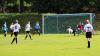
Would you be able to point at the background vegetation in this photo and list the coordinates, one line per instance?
(23, 19)
(49, 6)
(31, 9)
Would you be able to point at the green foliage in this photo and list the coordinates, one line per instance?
(23, 19)
(52, 6)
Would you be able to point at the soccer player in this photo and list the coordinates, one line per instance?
(36, 28)
(11, 28)
(70, 31)
(88, 29)
(16, 31)
(80, 28)
(74, 31)
(5, 29)
(27, 29)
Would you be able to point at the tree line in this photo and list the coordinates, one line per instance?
(49, 6)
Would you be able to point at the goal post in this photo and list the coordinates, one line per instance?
(58, 23)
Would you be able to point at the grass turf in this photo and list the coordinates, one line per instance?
(50, 45)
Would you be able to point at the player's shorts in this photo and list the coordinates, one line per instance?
(4, 31)
(16, 33)
(27, 31)
(11, 31)
(88, 34)
(36, 30)
(74, 31)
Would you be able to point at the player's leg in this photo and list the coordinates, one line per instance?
(88, 42)
(74, 33)
(29, 35)
(4, 33)
(26, 35)
(82, 32)
(11, 33)
(14, 38)
(88, 35)
(78, 32)
(38, 32)
(34, 32)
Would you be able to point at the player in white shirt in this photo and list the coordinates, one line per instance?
(16, 31)
(70, 31)
(88, 29)
(27, 29)
(11, 28)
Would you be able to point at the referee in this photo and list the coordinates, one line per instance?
(88, 29)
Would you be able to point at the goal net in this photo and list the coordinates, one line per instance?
(58, 23)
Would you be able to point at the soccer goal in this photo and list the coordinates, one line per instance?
(58, 23)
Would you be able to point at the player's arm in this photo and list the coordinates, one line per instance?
(19, 27)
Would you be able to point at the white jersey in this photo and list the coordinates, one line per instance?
(88, 28)
(11, 27)
(27, 27)
(69, 30)
(16, 27)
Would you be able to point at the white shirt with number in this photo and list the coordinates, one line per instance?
(27, 27)
(88, 28)
(16, 27)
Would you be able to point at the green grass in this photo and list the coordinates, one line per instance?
(50, 45)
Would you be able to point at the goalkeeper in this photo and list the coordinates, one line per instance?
(36, 28)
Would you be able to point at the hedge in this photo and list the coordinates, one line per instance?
(23, 19)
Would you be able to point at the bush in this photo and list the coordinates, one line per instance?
(23, 19)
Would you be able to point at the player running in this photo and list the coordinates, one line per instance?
(88, 29)
(11, 28)
(70, 30)
(5, 29)
(80, 28)
(36, 28)
(27, 29)
(16, 31)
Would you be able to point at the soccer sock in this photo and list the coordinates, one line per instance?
(5, 35)
(88, 44)
(33, 33)
(39, 33)
(11, 34)
(25, 37)
(16, 40)
(30, 37)
(13, 40)
(74, 33)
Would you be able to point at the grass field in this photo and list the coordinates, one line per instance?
(50, 45)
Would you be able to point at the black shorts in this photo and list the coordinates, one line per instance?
(36, 30)
(88, 34)
(11, 31)
(16, 33)
(27, 31)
